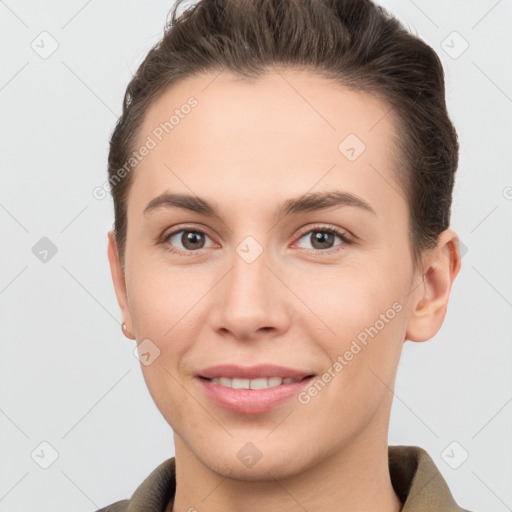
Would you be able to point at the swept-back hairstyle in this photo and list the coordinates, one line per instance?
(353, 42)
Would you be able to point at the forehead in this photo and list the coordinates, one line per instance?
(216, 134)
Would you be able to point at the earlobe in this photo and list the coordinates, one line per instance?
(119, 282)
(429, 310)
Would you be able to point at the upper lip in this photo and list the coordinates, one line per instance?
(253, 372)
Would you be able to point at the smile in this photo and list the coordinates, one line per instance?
(259, 383)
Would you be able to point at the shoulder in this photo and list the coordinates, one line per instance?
(154, 493)
(418, 482)
(118, 506)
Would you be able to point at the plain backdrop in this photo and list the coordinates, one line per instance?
(72, 396)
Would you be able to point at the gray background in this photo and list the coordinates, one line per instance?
(68, 377)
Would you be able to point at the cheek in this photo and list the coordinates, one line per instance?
(361, 321)
(161, 298)
(346, 301)
(162, 310)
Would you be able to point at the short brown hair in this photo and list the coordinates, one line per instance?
(353, 42)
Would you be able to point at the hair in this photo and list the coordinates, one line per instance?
(355, 43)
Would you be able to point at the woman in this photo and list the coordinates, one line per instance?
(282, 176)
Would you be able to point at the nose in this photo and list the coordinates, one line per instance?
(251, 300)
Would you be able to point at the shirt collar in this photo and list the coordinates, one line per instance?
(417, 481)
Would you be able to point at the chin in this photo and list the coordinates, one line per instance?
(268, 464)
(260, 472)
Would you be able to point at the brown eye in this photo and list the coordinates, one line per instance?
(324, 239)
(186, 240)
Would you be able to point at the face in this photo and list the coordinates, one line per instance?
(256, 269)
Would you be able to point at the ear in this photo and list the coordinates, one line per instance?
(118, 279)
(431, 300)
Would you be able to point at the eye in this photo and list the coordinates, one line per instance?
(186, 240)
(322, 238)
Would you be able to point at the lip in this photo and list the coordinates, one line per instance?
(252, 401)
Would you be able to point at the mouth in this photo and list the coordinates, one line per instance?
(251, 390)
(257, 383)
(232, 371)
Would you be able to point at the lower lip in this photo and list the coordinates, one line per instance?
(251, 401)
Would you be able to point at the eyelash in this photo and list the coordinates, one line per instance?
(330, 229)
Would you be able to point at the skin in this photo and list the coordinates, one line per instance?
(247, 147)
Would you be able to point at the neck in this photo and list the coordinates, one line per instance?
(355, 478)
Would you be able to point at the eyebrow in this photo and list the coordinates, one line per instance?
(306, 203)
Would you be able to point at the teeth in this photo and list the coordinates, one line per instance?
(240, 384)
(259, 383)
